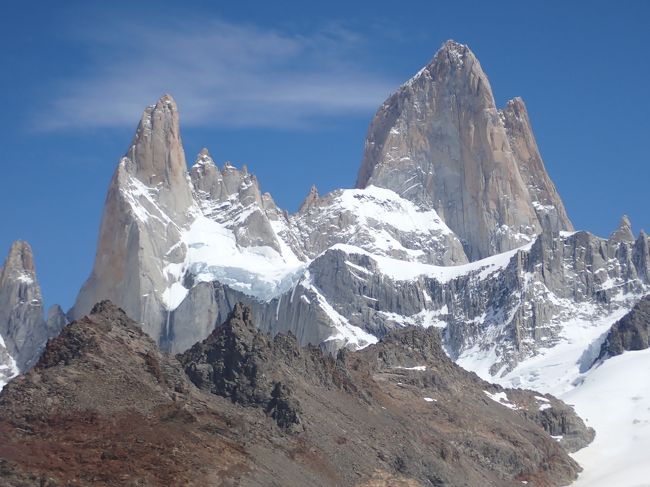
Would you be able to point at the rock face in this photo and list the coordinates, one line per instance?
(441, 142)
(103, 405)
(148, 204)
(545, 199)
(631, 332)
(166, 232)
(623, 234)
(497, 311)
(23, 331)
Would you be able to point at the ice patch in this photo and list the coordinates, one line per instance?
(214, 255)
(501, 398)
(417, 367)
(401, 270)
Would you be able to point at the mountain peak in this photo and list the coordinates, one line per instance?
(309, 199)
(167, 100)
(203, 158)
(454, 52)
(452, 57)
(20, 257)
(156, 152)
(624, 231)
(440, 142)
(23, 331)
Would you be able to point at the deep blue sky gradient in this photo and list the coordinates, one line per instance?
(581, 67)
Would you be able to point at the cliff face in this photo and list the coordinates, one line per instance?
(544, 197)
(441, 142)
(149, 203)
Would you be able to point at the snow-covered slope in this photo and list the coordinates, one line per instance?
(379, 221)
(179, 248)
(8, 367)
(614, 399)
(214, 255)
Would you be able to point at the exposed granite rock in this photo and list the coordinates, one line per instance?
(333, 290)
(440, 142)
(521, 300)
(56, 319)
(233, 198)
(149, 201)
(624, 231)
(544, 197)
(22, 327)
(156, 157)
(311, 198)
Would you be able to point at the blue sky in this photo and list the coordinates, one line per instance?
(289, 88)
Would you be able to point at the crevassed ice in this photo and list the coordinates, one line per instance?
(213, 255)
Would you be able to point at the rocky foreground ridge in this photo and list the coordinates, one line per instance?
(104, 406)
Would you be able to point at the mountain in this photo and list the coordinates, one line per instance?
(104, 406)
(440, 141)
(178, 248)
(454, 227)
(157, 252)
(148, 205)
(23, 330)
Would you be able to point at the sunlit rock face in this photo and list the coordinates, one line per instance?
(440, 141)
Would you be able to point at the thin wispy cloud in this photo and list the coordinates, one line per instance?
(221, 74)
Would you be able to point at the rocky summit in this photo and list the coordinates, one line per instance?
(440, 141)
(103, 406)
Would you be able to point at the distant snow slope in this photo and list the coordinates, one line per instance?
(614, 399)
(400, 270)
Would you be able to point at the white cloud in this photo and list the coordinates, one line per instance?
(221, 74)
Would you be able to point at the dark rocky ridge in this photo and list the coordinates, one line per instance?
(632, 332)
(104, 406)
